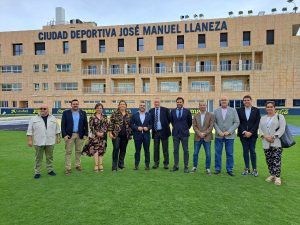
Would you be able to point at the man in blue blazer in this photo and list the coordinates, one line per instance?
(181, 120)
(74, 129)
(249, 121)
(141, 124)
(160, 132)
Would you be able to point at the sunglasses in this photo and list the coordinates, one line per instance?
(43, 108)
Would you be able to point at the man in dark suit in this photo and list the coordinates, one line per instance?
(141, 125)
(74, 129)
(247, 131)
(160, 132)
(181, 120)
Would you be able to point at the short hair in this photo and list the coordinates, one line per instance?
(180, 98)
(98, 104)
(142, 101)
(247, 96)
(270, 102)
(123, 102)
(74, 100)
(202, 101)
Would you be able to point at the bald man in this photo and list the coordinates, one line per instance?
(226, 122)
(43, 132)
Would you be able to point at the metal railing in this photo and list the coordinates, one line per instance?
(202, 89)
(123, 90)
(235, 88)
(90, 90)
(169, 90)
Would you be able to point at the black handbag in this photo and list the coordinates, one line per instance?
(286, 139)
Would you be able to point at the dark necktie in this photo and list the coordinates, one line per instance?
(156, 119)
(179, 114)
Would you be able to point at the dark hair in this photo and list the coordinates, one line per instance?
(98, 104)
(247, 96)
(74, 100)
(123, 102)
(270, 102)
(180, 98)
(142, 101)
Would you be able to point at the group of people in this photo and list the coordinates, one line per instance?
(90, 136)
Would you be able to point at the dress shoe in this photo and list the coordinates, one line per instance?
(217, 172)
(147, 168)
(186, 170)
(37, 176)
(52, 173)
(174, 169)
(166, 167)
(78, 168)
(68, 172)
(230, 173)
(136, 168)
(155, 167)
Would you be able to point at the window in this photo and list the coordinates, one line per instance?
(170, 86)
(11, 87)
(225, 65)
(36, 68)
(200, 86)
(45, 86)
(17, 49)
(235, 103)
(247, 64)
(160, 43)
(39, 48)
(66, 86)
(65, 47)
(180, 41)
(57, 104)
(45, 67)
(101, 45)
(223, 40)
(160, 68)
(233, 85)
(11, 69)
(3, 104)
(270, 37)
(180, 67)
(121, 45)
(36, 86)
(246, 38)
(115, 69)
(132, 69)
(83, 46)
(201, 41)
(296, 102)
(63, 67)
(140, 44)
(14, 104)
(93, 101)
(278, 102)
(92, 69)
(38, 102)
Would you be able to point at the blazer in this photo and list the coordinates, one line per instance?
(208, 125)
(40, 135)
(136, 122)
(164, 120)
(182, 125)
(274, 125)
(230, 123)
(250, 125)
(67, 124)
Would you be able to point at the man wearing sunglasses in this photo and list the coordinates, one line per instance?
(43, 132)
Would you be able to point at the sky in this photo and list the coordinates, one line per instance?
(33, 14)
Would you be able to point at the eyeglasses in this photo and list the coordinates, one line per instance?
(43, 108)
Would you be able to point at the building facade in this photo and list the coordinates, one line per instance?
(195, 59)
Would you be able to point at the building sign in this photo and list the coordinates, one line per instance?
(134, 31)
(89, 111)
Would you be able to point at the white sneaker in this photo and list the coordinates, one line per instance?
(270, 178)
(208, 172)
(277, 181)
(194, 170)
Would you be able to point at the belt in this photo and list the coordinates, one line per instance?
(75, 132)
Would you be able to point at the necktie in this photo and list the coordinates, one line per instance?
(156, 119)
(179, 114)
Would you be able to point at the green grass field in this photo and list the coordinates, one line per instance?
(143, 197)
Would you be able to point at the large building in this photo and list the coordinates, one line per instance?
(196, 59)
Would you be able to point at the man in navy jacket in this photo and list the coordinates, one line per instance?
(74, 129)
(181, 120)
(141, 125)
(160, 132)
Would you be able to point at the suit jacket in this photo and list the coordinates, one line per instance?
(230, 123)
(208, 125)
(182, 125)
(164, 120)
(67, 124)
(272, 131)
(250, 125)
(136, 122)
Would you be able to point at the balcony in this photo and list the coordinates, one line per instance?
(93, 72)
(236, 88)
(208, 88)
(92, 90)
(169, 90)
(123, 90)
(240, 67)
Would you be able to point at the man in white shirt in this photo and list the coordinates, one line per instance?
(43, 132)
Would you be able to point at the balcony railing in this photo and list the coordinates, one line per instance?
(90, 90)
(240, 67)
(169, 89)
(235, 88)
(123, 90)
(202, 89)
(93, 72)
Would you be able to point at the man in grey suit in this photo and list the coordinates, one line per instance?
(226, 122)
